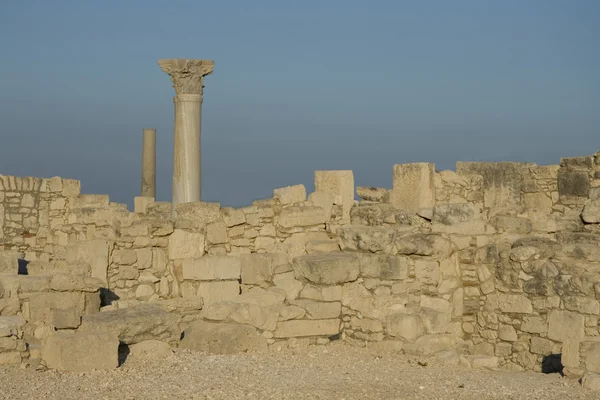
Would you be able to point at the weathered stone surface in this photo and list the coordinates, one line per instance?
(514, 303)
(81, 352)
(428, 345)
(212, 268)
(318, 309)
(413, 186)
(327, 268)
(9, 306)
(204, 212)
(566, 325)
(383, 266)
(375, 214)
(425, 244)
(222, 338)
(75, 283)
(65, 319)
(323, 200)
(216, 232)
(9, 262)
(374, 194)
(258, 268)
(218, 291)
(591, 381)
(367, 238)
(95, 253)
(42, 304)
(290, 194)
(135, 324)
(573, 184)
(300, 328)
(592, 359)
(458, 218)
(591, 211)
(289, 284)
(233, 217)
(405, 326)
(584, 305)
(11, 325)
(184, 244)
(507, 333)
(150, 350)
(340, 184)
(297, 216)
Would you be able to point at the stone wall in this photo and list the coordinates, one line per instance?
(497, 261)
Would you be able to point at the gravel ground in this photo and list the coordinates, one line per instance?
(322, 372)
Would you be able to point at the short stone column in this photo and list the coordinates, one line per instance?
(149, 163)
(188, 81)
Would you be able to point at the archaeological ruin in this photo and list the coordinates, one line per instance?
(496, 265)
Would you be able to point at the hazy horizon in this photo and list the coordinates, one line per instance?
(297, 87)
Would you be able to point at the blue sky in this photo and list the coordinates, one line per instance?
(297, 86)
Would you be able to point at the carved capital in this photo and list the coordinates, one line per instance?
(187, 75)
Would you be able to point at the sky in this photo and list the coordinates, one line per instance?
(298, 86)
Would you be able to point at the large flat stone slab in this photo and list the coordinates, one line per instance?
(135, 324)
(220, 338)
(80, 352)
(327, 268)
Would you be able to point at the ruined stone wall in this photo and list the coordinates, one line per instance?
(497, 260)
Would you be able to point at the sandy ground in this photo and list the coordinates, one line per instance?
(321, 372)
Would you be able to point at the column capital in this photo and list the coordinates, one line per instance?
(187, 75)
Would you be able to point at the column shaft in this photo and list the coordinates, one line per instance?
(149, 163)
(186, 155)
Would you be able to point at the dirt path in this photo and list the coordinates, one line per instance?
(333, 372)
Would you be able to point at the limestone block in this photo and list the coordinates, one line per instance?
(413, 186)
(184, 244)
(322, 246)
(591, 381)
(289, 284)
(374, 194)
(200, 211)
(592, 359)
(543, 346)
(9, 262)
(514, 303)
(539, 201)
(405, 326)
(233, 217)
(258, 268)
(534, 325)
(124, 257)
(327, 268)
(318, 309)
(81, 352)
(367, 238)
(12, 306)
(340, 184)
(216, 232)
(427, 271)
(135, 324)
(428, 345)
(11, 325)
(423, 244)
(383, 266)
(502, 181)
(94, 253)
(42, 304)
(141, 203)
(511, 224)
(65, 318)
(45, 268)
(377, 214)
(89, 201)
(591, 212)
(218, 291)
(573, 184)
(323, 200)
(584, 305)
(321, 293)
(566, 325)
(212, 268)
(507, 333)
(300, 328)
(458, 218)
(290, 194)
(482, 361)
(298, 216)
(150, 350)
(70, 187)
(220, 338)
(144, 292)
(435, 320)
(10, 358)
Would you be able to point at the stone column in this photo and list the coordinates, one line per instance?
(149, 163)
(188, 81)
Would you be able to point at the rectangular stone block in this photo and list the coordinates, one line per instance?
(42, 304)
(201, 211)
(81, 352)
(184, 244)
(573, 184)
(65, 318)
(340, 184)
(141, 203)
(213, 292)
(290, 194)
(299, 216)
(258, 268)
(566, 326)
(413, 186)
(95, 253)
(89, 201)
(300, 328)
(212, 268)
(9, 262)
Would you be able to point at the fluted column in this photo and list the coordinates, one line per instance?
(188, 81)
(149, 163)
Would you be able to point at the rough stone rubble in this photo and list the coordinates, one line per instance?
(496, 265)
